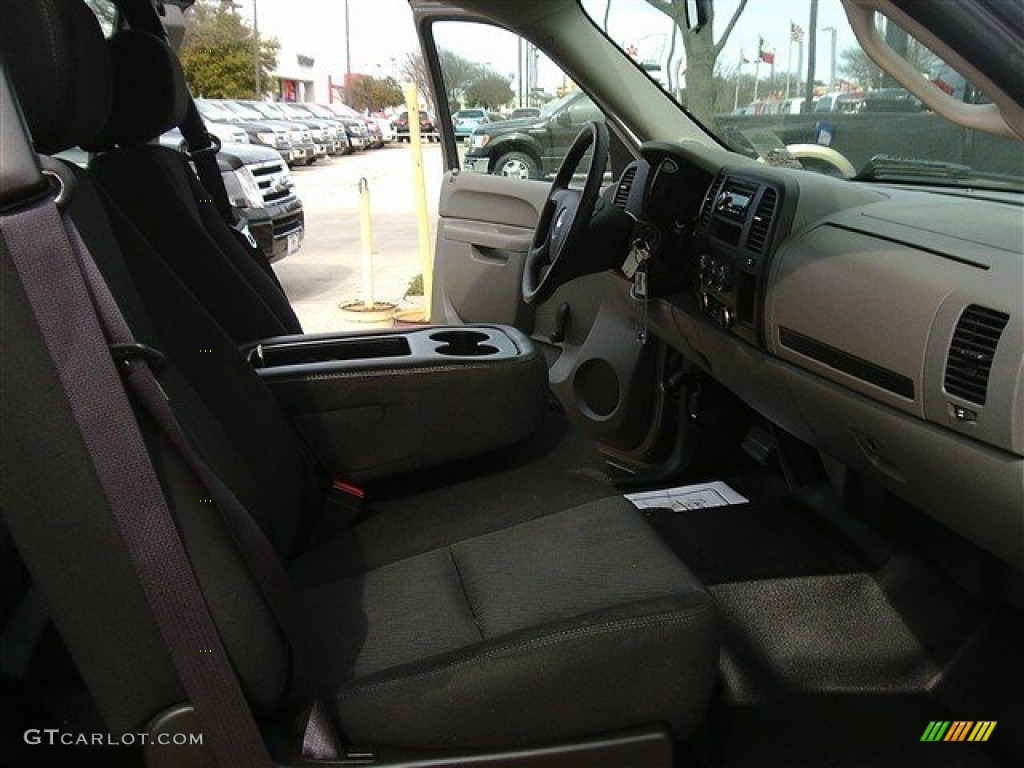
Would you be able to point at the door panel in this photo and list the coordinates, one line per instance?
(485, 227)
(605, 378)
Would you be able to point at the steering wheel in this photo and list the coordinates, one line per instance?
(558, 242)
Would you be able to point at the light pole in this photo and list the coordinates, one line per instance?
(832, 63)
(256, 51)
(348, 60)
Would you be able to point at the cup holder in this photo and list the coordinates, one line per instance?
(463, 343)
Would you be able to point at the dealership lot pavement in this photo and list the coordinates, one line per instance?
(326, 270)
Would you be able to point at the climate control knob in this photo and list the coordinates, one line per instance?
(722, 277)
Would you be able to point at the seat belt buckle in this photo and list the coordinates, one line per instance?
(345, 497)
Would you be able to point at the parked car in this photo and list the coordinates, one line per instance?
(465, 121)
(520, 112)
(327, 135)
(891, 100)
(839, 101)
(269, 133)
(428, 126)
(300, 134)
(261, 191)
(374, 136)
(530, 147)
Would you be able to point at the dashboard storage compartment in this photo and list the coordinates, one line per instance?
(376, 404)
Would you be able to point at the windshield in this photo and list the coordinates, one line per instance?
(316, 109)
(553, 106)
(293, 112)
(246, 112)
(266, 110)
(789, 80)
(215, 112)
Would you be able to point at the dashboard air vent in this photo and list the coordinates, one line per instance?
(758, 236)
(625, 185)
(709, 200)
(971, 352)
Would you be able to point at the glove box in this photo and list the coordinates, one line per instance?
(381, 403)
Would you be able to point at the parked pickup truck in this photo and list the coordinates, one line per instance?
(260, 187)
(531, 147)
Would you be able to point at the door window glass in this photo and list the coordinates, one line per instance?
(533, 110)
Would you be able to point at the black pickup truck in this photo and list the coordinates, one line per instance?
(531, 147)
(260, 187)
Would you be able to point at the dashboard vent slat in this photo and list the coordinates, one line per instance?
(969, 361)
(625, 186)
(708, 205)
(757, 238)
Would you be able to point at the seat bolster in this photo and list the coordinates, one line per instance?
(604, 671)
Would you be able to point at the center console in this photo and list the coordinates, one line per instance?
(374, 404)
(738, 219)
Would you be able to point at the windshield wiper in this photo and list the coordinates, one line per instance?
(891, 166)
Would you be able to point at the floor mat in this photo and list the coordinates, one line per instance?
(772, 539)
(847, 670)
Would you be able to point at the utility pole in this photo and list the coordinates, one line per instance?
(832, 63)
(812, 52)
(256, 51)
(348, 61)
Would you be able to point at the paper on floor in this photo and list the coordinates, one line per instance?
(716, 494)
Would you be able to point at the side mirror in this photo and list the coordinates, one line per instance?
(562, 118)
(697, 13)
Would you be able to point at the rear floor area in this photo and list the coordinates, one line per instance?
(838, 648)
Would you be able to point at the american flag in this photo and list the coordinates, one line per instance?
(796, 33)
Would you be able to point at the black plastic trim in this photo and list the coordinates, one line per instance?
(855, 366)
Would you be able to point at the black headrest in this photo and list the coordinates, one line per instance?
(57, 61)
(150, 93)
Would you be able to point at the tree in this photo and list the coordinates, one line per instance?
(489, 90)
(701, 52)
(859, 68)
(414, 69)
(217, 54)
(374, 93)
(457, 73)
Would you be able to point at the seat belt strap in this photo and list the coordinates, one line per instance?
(137, 368)
(46, 263)
(202, 152)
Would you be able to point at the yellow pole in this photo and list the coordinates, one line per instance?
(366, 242)
(419, 186)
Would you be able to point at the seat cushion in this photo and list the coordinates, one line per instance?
(556, 468)
(575, 623)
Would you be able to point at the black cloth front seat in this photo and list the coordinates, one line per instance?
(574, 623)
(157, 188)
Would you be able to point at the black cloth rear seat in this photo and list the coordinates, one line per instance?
(475, 632)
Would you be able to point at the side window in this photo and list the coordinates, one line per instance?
(582, 110)
(529, 111)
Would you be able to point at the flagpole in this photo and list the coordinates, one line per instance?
(757, 76)
(789, 59)
(739, 74)
(799, 66)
